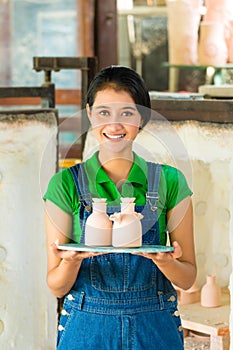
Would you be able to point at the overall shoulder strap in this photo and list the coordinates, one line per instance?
(81, 183)
(154, 173)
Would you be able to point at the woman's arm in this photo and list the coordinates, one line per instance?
(63, 266)
(179, 266)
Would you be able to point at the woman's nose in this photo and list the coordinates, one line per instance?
(114, 125)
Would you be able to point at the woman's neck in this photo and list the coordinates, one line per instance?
(117, 167)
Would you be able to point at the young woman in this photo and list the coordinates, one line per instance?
(119, 301)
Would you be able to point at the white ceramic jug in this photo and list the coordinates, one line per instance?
(183, 24)
(212, 49)
(98, 229)
(217, 10)
(229, 40)
(211, 292)
(127, 228)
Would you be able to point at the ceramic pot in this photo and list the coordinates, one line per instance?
(127, 228)
(210, 292)
(229, 40)
(189, 296)
(183, 24)
(216, 10)
(98, 229)
(212, 48)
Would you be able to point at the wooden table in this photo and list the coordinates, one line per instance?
(212, 321)
(213, 74)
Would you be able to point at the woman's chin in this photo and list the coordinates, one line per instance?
(118, 146)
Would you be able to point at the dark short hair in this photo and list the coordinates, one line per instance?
(122, 78)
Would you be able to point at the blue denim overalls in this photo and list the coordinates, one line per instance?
(121, 301)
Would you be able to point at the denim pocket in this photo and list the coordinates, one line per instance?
(122, 273)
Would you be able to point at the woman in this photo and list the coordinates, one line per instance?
(119, 301)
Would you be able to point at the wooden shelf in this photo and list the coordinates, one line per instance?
(144, 11)
(212, 321)
(216, 76)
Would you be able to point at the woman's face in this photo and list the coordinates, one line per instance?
(115, 119)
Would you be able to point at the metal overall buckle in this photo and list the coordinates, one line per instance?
(86, 202)
(152, 199)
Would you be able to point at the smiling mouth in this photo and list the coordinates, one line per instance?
(114, 137)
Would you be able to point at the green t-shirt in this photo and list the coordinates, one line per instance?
(173, 188)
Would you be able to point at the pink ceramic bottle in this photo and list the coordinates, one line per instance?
(229, 41)
(183, 24)
(210, 292)
(190, 295)
(212, 48)
(98, 230)
(127, 228)
(216, 10)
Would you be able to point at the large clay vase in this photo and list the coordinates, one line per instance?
(212, 48)
(229, 40)
(127, 228)
(211, 292)
(221, 11)
(183, 23)
(190, 296)
(216, 10)
(98, 229)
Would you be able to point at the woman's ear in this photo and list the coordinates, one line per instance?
(141, 124)
(88, 109)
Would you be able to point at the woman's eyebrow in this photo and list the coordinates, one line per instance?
(132, 107)
(100, 107)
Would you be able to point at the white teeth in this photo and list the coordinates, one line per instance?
(114, 136)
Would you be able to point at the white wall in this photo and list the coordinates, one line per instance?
(27, 309)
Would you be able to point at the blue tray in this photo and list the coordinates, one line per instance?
(110, 249)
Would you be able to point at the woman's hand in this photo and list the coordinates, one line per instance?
(70, 255)
(63, 274)
(164, 258)
(63, 265)
(179, 266)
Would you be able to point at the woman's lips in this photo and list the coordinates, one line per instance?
(114, 137)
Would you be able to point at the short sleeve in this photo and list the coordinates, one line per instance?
(175, 186)
(62, 192)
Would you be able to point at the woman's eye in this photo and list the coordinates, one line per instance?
(104, 113)
(127, 114)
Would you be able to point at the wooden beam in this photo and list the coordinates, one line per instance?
(106, 33)
(20, 95)
(5, 42)
(85, 27)
(213, 111)
(70, 124)
(62, 97)
(68, 97)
